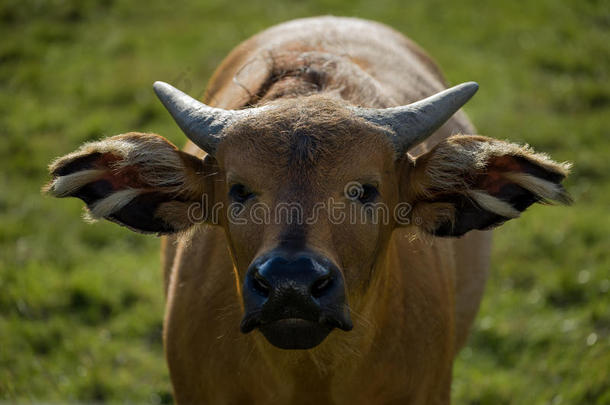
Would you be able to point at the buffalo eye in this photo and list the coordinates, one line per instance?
(369, 194)
(364, 193)
(240, 193)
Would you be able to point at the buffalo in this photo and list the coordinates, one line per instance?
(326, 229)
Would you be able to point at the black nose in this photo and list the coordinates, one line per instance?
(298, 280)
(294, 292)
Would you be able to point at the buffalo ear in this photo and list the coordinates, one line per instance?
(138, 180)
(474, 182)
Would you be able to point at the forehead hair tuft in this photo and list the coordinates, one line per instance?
(303, 130)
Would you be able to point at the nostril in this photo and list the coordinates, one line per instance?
(260, 284)
(321, 286)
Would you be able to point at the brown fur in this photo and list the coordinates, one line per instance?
(412, 298)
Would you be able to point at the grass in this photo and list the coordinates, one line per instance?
(81, 305)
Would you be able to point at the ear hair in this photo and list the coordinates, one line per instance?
(113, 203)
(543, 188)
(138, 180)
(493, 204)
(152, 154)
(474, 182)
(453, 163)
(63, 186)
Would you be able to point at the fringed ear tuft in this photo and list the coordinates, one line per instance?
(134, 179)
(485, 181)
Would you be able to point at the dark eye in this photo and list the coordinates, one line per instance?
(239, 193)
(369, 194)
(364, 193)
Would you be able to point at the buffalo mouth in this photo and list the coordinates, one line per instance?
(295, 333)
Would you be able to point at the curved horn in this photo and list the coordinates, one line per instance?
(201, 123)
(414, 122)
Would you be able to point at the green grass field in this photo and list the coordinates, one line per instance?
(81, 306)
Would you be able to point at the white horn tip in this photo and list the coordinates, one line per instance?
(162, 88)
